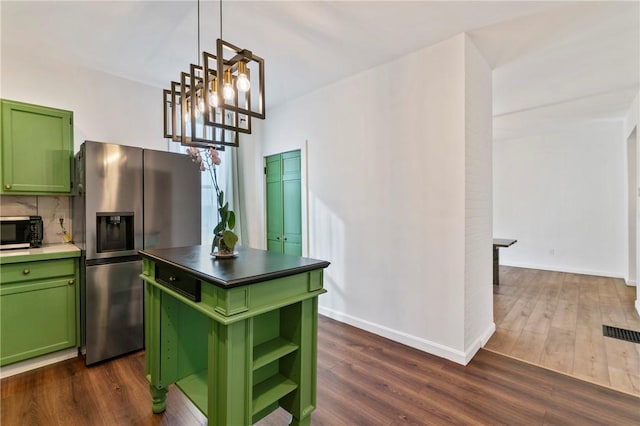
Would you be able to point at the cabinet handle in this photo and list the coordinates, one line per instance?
(26, 271)
(284, 238)
(71, 282)
(278, 238)
(7, 186)
(172, 279)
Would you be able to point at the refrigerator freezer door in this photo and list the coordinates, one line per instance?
(114, 310)
(171, 200)
(113, 184)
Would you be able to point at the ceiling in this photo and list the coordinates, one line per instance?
(554, 62)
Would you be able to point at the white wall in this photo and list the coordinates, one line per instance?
(106, 108)
(562, 195)
(385, 161)
(631, 136)
(478, 196)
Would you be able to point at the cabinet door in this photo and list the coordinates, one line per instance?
(37, 317)
(37, 149)
(284, 205)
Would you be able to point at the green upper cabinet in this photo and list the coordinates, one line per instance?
(37, 149)
(284, 203)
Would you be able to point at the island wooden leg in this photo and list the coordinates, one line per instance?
(229, 369)
(158, 399)
(302, 327)
(152, 349)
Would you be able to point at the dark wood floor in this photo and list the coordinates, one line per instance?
(363, 379)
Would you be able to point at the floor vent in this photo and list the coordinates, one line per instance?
(621, 333)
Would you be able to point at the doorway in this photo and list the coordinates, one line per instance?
(284, 202)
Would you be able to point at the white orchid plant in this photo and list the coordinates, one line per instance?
(223, 236)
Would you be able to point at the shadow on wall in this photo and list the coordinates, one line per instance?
(327, 238)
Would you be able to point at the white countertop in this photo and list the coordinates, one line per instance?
(46, 251)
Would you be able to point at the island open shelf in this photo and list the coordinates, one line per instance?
(237, 336)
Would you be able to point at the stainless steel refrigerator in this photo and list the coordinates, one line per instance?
(126, 199)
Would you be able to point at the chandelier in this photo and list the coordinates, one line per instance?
(216, 99)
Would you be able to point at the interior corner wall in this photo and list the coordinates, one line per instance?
(106, 108)
(478, 291)
(385, 161)
(631, 123)
(562, 195)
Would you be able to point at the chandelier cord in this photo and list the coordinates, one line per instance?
(198, 32)
(220, 19)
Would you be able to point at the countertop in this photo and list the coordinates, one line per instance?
(249, 267)
(46, 252)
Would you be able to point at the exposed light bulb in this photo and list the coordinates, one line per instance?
(213, 99)
(213, 94)
(243, 84)
(227, 90)
(200, 106)
(187, 115)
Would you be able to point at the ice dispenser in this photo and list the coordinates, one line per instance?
(115, 231)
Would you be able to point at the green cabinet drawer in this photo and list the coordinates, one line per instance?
(37, 318)
(29, 271)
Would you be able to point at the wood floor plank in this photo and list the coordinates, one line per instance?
(590, 356)
(502, 341)
(540, 319)
(558, 350)
(565, 316)
(529, 346)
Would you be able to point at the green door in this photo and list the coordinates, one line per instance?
(37, 149)
(284, 203)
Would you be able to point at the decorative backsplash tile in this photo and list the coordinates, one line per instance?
(50, 208)
(14, 205)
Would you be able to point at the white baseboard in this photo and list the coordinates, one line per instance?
(630, 283)
(419, 343)
(41, 361)
(563, 269)
(638, 305)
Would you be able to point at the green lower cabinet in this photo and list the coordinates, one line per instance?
(36, 149)
(37, 309)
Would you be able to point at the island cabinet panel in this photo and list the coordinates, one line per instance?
(239, 353)
(39, 308)
(36, 149)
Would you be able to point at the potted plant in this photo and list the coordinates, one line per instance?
(224, 239)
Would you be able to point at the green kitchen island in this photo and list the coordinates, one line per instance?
(237, 335)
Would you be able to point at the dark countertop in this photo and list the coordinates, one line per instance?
(250, 266)
(503, 242)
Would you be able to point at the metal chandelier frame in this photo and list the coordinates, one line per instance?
(203, 110)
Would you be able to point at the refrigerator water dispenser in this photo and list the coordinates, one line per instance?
(114, 231)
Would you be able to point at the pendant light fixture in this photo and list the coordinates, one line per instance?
(204, 110)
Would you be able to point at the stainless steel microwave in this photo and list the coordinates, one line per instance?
(21, 232)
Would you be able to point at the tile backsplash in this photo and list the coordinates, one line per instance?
(50, 208)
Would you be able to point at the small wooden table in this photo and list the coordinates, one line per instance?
(497, 244)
